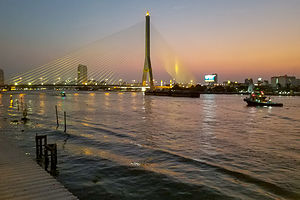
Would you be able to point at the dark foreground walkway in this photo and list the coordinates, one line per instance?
(22, 178)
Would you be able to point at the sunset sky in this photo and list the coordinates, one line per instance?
(236, 39)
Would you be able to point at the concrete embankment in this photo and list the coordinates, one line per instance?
(22, 178)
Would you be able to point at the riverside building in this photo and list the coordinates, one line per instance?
(82, 74)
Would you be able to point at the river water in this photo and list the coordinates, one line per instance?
(131, 146)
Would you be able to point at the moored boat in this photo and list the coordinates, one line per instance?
(173, 93)
(185, 93)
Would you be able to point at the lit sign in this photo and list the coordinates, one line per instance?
(210, 78)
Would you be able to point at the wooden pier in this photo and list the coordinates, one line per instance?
(21, 178)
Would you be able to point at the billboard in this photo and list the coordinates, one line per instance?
(211, 78)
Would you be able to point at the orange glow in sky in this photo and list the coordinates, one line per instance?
(236, 39)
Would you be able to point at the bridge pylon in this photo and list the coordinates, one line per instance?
(147, 64)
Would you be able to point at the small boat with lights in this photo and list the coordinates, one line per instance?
(63, 94)
(259, 99)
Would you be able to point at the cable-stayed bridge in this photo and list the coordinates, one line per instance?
(113, 60)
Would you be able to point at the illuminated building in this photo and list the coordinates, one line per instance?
(283, 81)
(82, 74)
(147, 64)
(1, 77)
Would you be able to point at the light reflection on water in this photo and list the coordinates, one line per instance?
(131, 146)
(208, 122)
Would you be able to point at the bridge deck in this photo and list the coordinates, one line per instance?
(22, 178)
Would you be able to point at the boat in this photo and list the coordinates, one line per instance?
(259, 99)
(173, 93)
(63, 94)
(185, 93)
(158, 92)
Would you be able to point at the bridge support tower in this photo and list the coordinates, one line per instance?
(147, 64)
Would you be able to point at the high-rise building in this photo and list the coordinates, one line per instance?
(248, 81)
(1, 77)
(82, 74)
(283, 81)
(147, 64)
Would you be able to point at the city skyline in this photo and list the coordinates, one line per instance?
(234, 39)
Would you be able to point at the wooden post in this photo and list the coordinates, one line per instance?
(53, 157)
(39, 145)
(18, 105)
(65, 119)
(46, 158)
(36, 147)
(21, 103)
(57, 124)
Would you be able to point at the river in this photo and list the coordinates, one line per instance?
(131, 146)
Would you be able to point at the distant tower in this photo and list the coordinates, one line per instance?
(1, 77)
(82, 74)
(147, 64)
